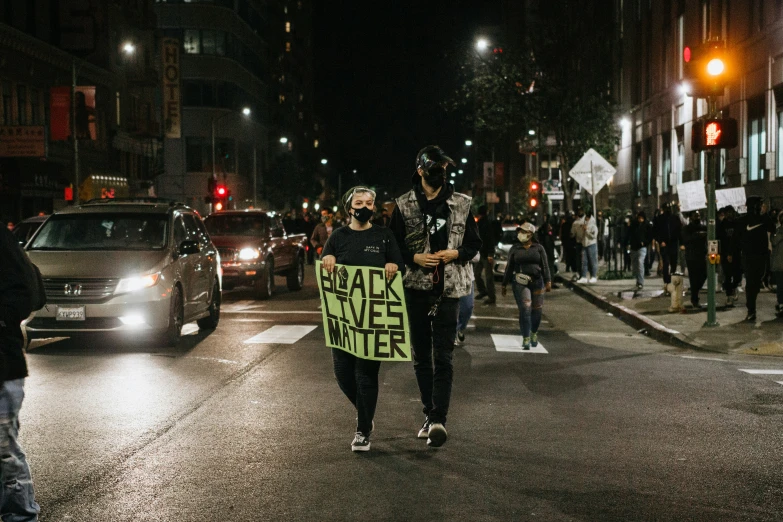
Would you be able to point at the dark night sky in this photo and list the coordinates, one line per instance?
(381, 70)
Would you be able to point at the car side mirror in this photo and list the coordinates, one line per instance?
(188, 247)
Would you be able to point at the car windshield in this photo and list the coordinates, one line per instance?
(111, 231)
(236, 225)
(509, 236)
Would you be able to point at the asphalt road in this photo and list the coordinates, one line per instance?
(606, 425)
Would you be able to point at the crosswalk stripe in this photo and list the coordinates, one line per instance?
(763, 372)
(513, 343)
(238, 306)
(281, 334)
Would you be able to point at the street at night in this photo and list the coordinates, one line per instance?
(598, 423)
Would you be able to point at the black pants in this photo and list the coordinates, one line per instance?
(432, 343)
(485, 279)
(753, 266)
(669, 255)
(697, 275)
(358, 379)
(732, 275)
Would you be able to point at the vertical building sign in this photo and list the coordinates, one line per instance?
(172, 106)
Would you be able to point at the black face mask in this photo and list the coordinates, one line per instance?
(435, 177)
(362, 215)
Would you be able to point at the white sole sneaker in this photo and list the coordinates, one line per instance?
(437, 435)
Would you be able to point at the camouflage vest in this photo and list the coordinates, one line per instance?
(417, 240)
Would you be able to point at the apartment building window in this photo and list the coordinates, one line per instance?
(666, 162)
(637, 170)
(757, 137)
(315, 144)
(194, 154)
(288, 27)
(192, 41)
(21, 104)
(288, 47)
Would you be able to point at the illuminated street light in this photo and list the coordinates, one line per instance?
(482, 44)
(468, 143)
(461, 171)
(129, 48)
(354, 171)
(453, 174)
(283, 140)
(464, 160)
(531, 132)
(246, 111)
(317, 206)
(305, 205)
(324, 161)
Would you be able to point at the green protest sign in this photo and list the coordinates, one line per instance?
(364, 313)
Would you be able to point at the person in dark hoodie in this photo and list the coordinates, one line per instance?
(17, 499)
(667, 229)
(438, 236)
(639, 238)
(730, 263)
(751, 236)
(694, 239)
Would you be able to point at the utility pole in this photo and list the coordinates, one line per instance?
(255, 176)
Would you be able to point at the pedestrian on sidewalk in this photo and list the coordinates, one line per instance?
(694, 239)
(639, 238)
(777, 263)
(438, 236)
(752, 237)
(730, 264)
(546, 237)
(19, 291)
(467, 302)
(528, 272)
(667, 230)
(589, 235)
(360, 244)
(577, 231)
(624, 233)
(485, 279)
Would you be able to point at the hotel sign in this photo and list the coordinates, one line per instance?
(172, 105)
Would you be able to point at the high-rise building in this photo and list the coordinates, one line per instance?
(655, 154)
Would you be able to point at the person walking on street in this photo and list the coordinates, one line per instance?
(730, 264)
(568, 243)
(322, 231)
(360, 244)
(546, 237)
(18, 294)
(751, 235)
(694, 239)
(528, 272)
(667, 230)
(577, 231)
(777, 263)
(485, 279)
(639, 238)
(589, 235)
(438, 236)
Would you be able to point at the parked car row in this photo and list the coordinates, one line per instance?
(145, 267)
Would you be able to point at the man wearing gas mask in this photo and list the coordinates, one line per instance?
(751, 234)
(438, 236)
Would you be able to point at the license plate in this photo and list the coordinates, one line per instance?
(70, 313)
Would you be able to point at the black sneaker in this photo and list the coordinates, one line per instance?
(751, 317)
(360, 442)
(461, 336)
(437, 435)
(424, 432)
(480, 295)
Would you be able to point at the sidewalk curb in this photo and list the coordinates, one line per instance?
(652, 329)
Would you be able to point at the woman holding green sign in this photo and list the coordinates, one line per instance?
(360, 244)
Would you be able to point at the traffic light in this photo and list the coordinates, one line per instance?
(534, 194)
(218, 194)
(714, 133)
(707, 69)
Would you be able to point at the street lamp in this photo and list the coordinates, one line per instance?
(464, 160)
(468, 143)
(324, 161)
(482, 44)
(246, 111)
(283, 140)
(128, 48)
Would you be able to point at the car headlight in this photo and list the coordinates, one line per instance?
(248, 254)
(131, 284)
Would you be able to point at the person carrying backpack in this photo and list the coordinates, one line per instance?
(21, 291)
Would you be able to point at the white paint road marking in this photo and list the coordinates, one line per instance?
(281, 334)
(238, 306)
(779, 382)
(702, 358)
(513, 343)
(269, 312)
(763, 372)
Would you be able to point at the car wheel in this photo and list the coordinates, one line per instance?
(176, 317)
(211, 321)
(295, 277)
(265, 285)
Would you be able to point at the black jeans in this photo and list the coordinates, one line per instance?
(669, 254)
(358, 379)
(485, 279)
(697, 275)
(432, 343)
(753, 266)
(732, 275)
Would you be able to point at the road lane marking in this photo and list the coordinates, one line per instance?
(270, 312)
(513, 343)
(779, 382)
(238, 306)
(486, 318)
(702, 358)
(763, 372)
(251, 320)
(282, 334)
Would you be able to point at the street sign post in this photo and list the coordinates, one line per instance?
(592, 172)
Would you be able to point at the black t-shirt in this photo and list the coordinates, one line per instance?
(374, 247)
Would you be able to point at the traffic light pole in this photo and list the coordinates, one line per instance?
(712, 173)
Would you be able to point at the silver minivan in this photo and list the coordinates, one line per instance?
(137, 268)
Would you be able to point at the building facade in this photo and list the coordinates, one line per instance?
(103, 50)
(657, 115)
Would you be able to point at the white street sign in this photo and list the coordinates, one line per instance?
(692, 196)
(592, 172)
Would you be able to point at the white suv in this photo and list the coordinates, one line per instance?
(127, 267)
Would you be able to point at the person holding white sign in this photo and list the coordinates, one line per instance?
(360, 244)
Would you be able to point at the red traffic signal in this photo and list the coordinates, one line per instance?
(534, 191)
(221, 191)
(714, 133)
